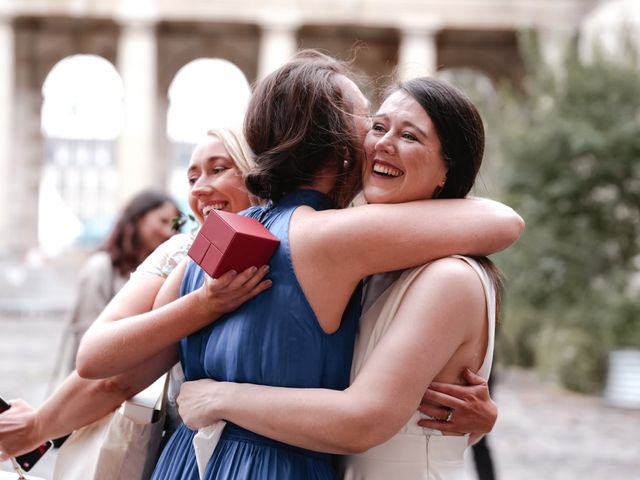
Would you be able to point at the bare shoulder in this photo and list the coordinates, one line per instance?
(454, 276)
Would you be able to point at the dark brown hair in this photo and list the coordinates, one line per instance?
(123, 244)
(461, 134)
(459, 128)
(299, 124)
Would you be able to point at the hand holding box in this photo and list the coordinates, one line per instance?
(228, 241)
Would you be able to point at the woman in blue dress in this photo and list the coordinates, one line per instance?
(300, 332)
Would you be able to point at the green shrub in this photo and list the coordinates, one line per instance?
(571, 150)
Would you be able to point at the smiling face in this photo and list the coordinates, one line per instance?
(403, 153)
(155, 226)
(215, 183)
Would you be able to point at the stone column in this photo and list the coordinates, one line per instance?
(278, 43)
(7, 93)
(418, 54)
(554, 44)
(137, 146)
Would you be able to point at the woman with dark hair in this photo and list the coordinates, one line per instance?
(299, 332)
(419, 325)
(143, 225)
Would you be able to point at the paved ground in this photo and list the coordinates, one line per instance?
(543, 432)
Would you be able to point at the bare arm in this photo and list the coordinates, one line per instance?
(112, 347)
(79, 401)
(429, 328)
(75, 404)
(378, 238)
(416, 232)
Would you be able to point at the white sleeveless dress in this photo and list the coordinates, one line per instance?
(414, 452)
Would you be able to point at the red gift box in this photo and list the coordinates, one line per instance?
(228, 241)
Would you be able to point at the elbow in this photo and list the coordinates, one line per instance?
(90, 360)
(365, 433)
(518, 227)
(85, 366)
(114, 387)
(85, 371)
(512, 229)
(364, 441)
(119, 386)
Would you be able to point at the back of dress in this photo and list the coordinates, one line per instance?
(273, 339)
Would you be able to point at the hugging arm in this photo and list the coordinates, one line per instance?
(426, 331)
(78, 401)
(417, 232)
(110, 348)
(475, 412)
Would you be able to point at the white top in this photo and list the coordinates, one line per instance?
(414, 452)
(167, 256)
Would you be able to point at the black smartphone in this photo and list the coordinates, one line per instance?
(28, 460)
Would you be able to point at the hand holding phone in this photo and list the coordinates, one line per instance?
(28, 460)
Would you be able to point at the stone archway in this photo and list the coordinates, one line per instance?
(39, 44)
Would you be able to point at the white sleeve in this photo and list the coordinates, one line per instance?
(164, 259)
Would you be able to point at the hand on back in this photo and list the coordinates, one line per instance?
(227, 292)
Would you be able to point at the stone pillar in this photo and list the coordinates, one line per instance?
(137, 146)
(278, 43)
(7, 92)
(554, 45)
(418, 54)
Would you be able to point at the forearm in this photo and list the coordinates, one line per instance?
(323, 420)
(113, 347)
(81, 401)
(417, 233)
(77, 403)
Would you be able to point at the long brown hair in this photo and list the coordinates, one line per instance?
(123, 244)
(299, 124)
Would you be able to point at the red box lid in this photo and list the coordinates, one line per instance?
(228, 241)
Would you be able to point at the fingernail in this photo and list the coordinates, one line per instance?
(254, 269)
(265, 268)
(233, 273)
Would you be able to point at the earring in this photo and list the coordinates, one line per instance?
(345, 164)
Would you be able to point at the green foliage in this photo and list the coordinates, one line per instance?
(571, 147)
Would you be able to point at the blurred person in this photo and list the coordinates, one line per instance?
(220, 162)
(144, 224)
(305, 123)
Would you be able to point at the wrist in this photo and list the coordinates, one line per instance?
(223, 400)
(38, 428)
(205, 311)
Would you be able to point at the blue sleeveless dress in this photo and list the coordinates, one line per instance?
(274, 339)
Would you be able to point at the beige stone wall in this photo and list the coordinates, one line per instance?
(404, 37)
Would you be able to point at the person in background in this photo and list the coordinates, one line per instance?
(220, 162)
(144, 224)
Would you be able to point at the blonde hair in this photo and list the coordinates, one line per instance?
(234, 142)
